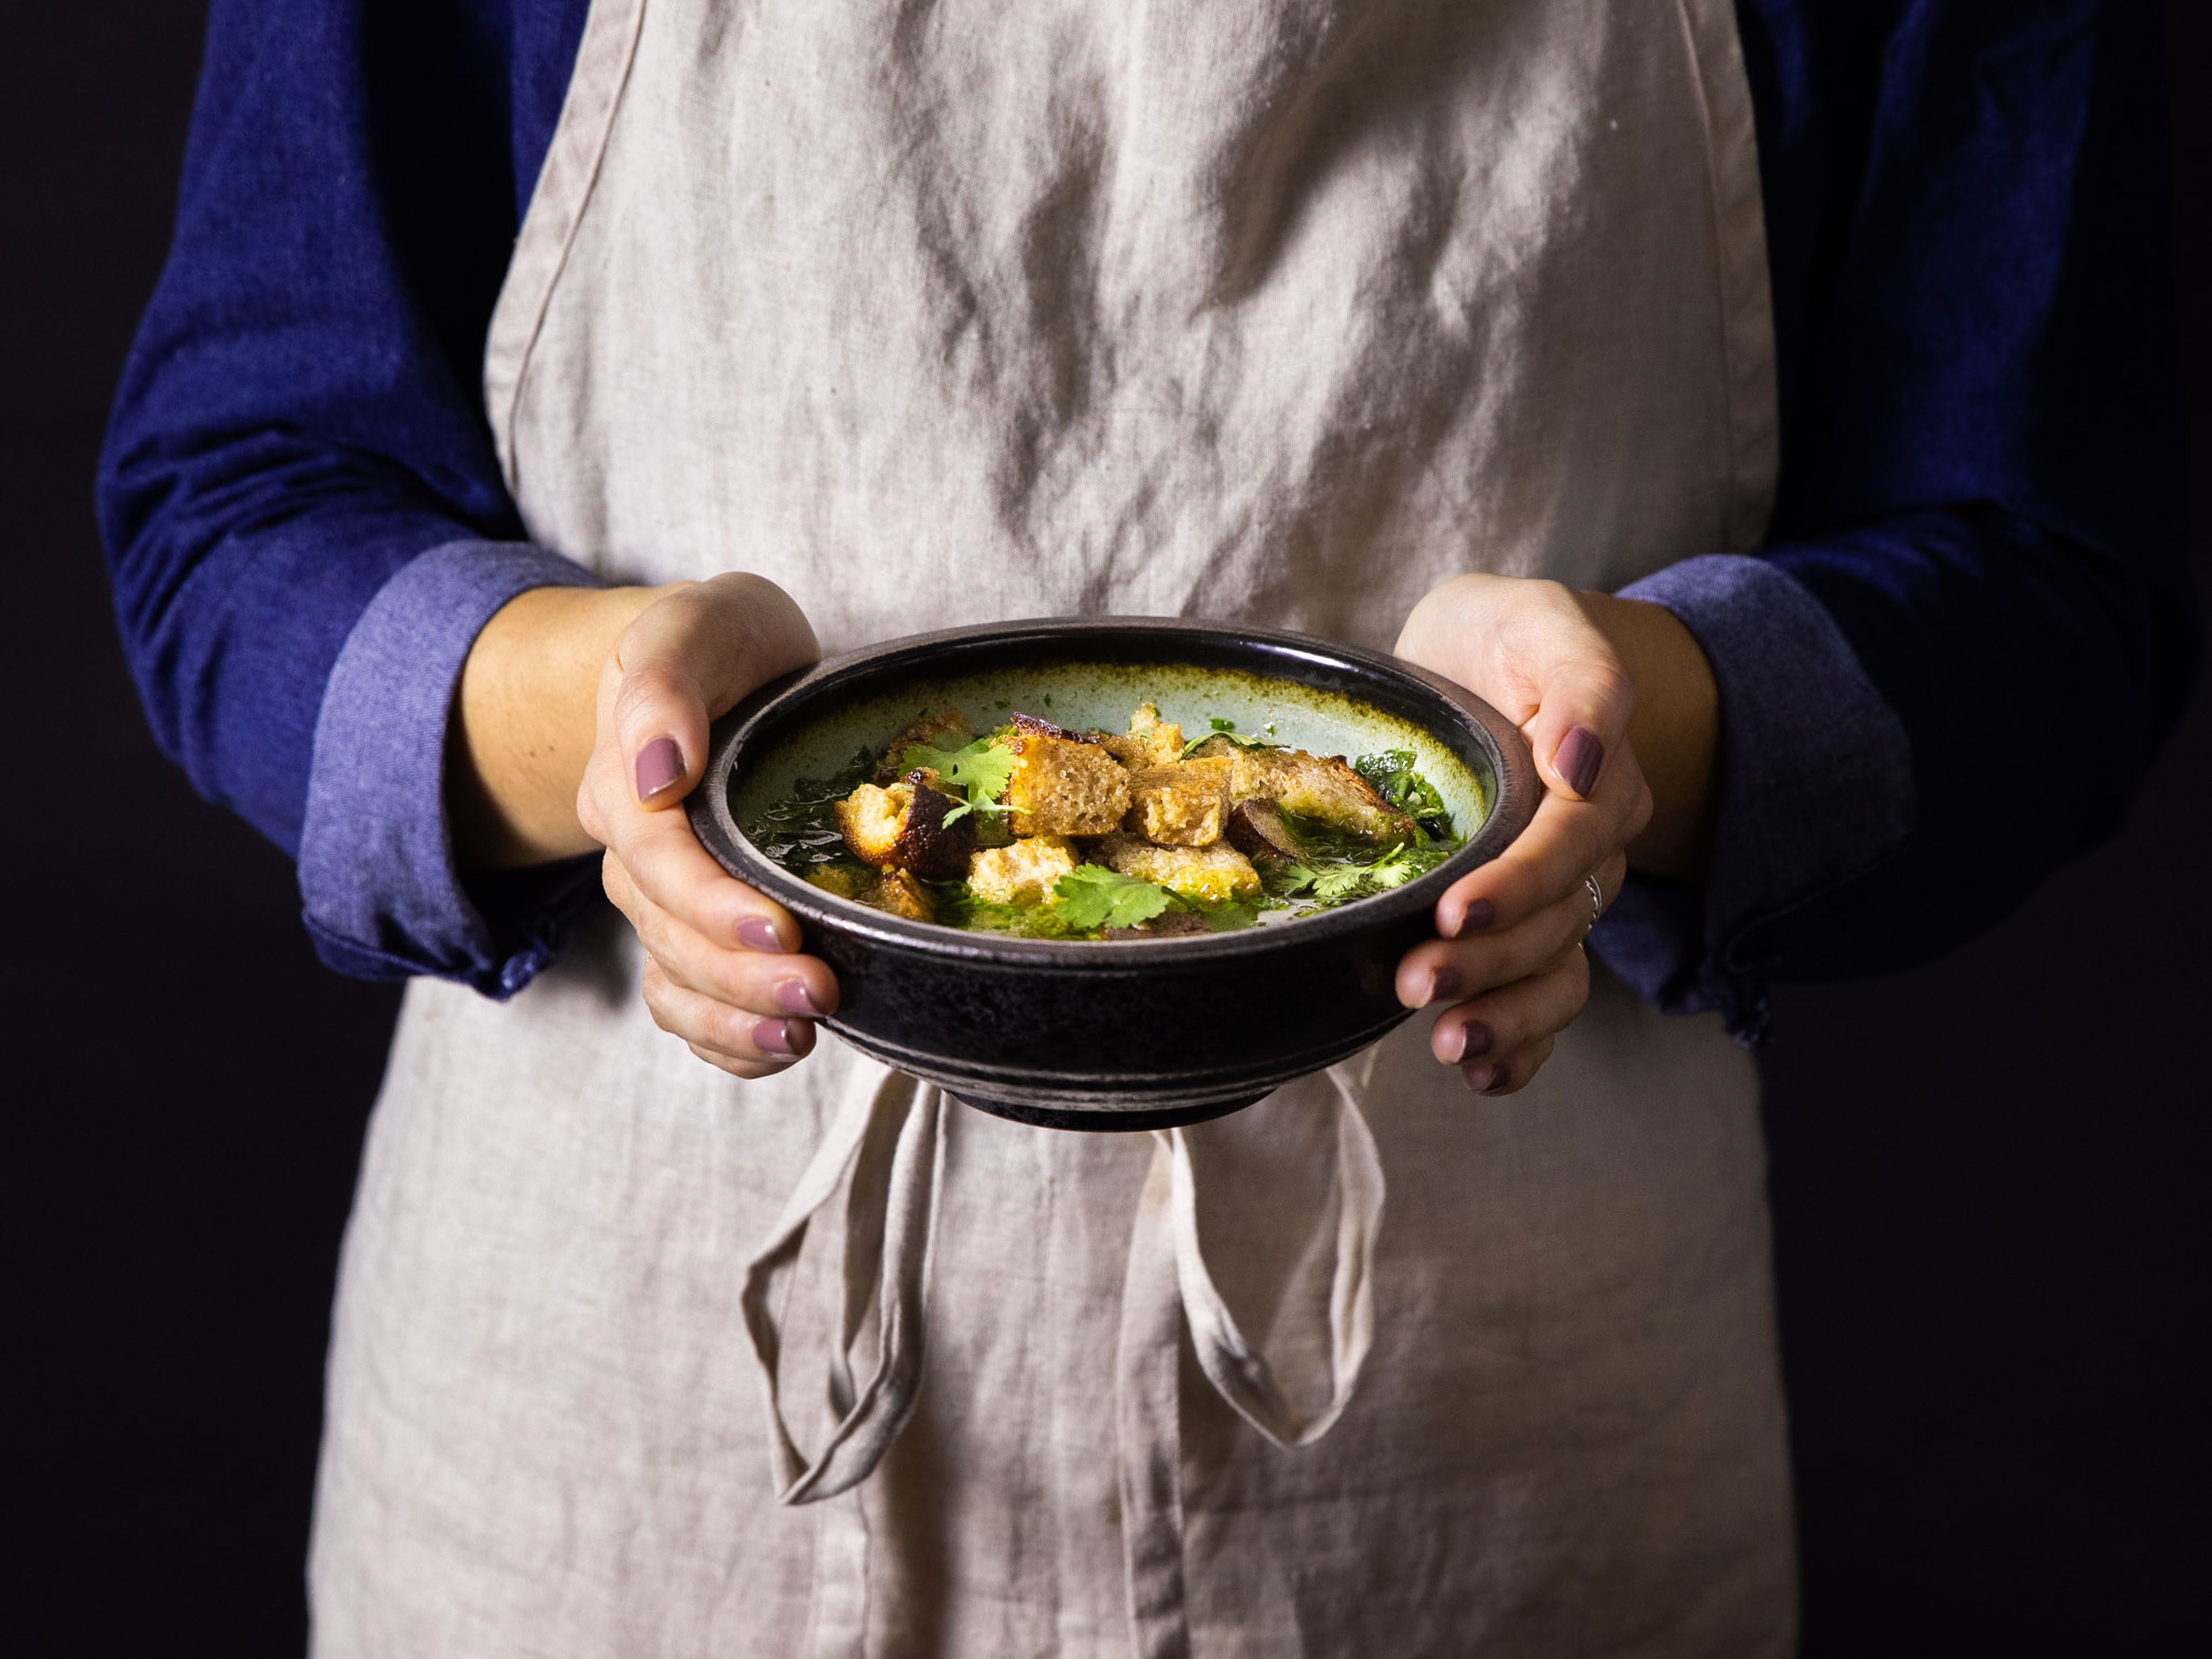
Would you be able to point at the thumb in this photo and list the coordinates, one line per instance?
(1571, 691)
(1582, 694)
(685, 659)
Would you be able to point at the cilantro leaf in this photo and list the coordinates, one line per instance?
(1333, 886)
(979, 771)
(1091, 896)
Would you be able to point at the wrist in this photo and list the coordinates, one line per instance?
(524, 722)
(1675, 732)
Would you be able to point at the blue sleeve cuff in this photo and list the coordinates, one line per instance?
(1814, 787)
(382, 897)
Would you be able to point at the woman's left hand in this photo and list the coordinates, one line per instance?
(1508, 967)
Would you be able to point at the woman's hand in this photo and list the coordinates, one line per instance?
(1508, 966)
(723, 970)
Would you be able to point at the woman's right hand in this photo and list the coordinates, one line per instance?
(723, 970)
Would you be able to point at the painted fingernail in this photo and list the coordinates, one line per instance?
(1475, 1039)
(1473, 919)
(1577, 759)
(1446, 985)
(773, 1036)
(660, 764)
(793, 998)
(759, 934)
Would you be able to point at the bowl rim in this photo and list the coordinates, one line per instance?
(1518, 791)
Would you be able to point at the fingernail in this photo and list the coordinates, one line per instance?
(773, 1036)
(1446, 984)
(1478, 1075)
(759, 934)
(1577, 759)
(1451, 1043)
(1475, 1039)
(793, 998)
(1473, 919)
(660, 764)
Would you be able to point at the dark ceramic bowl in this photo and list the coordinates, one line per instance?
(1142, 1035)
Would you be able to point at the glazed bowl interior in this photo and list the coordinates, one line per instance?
(1083, 695)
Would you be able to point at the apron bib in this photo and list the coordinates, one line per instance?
(1281, 311)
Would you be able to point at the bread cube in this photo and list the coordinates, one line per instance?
(1326, 790)
(870, 818)
(1150, 742)
(905, 827)
(1182, 804)
(1061, 787)
(1023, 873)
(1205, 875)
(902, 896)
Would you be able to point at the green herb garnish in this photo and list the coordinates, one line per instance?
(1392, 777)
(979, 771)
(1090, 895)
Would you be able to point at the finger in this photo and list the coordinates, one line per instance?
(1453, 968)
(742, 1040)
(686, 660)
(1513, 1016)
(663, 860)
(1565, 841)
(1509, 1074)
(1440, 971)
(762, 982)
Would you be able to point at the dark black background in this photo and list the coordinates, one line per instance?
(1988, 1176)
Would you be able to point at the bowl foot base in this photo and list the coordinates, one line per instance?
(1108, 1121)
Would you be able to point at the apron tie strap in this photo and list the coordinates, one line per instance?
(1167, 1283)
(891, 1239)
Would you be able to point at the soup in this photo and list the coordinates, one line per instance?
(1046, 831)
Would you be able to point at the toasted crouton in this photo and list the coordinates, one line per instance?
(870, 818)
(1207, 875)
(902, 896)
(1150, 742)
(1326, 790)
(1033, 726)
(1064, 788)
(946, 730)
(905, 827)
(1023, 874)
(1182, 804)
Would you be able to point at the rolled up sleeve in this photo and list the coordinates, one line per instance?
(382, 894)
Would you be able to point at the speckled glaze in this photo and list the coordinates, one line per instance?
(1076, 1034)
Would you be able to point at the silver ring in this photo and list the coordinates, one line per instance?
(1597, 900)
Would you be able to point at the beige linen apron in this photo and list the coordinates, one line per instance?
(1278, 311)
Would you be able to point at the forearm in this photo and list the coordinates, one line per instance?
(523, 724)
(1675, 731)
